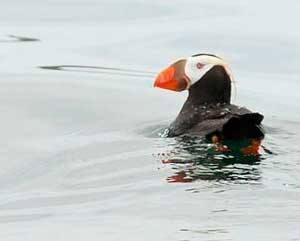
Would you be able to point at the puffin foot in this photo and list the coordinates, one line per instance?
(252, 149)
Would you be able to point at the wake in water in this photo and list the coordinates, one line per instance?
(100, 70)
(15, 38)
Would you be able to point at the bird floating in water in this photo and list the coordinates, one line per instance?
(208, 111)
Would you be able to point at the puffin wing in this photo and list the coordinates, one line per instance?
(229, 122)
(243, 126)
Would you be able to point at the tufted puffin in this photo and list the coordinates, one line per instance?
(208, 111)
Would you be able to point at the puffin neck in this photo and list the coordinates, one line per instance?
(213, 88)
(211, 92)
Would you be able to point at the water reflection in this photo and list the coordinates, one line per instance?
(195, 159)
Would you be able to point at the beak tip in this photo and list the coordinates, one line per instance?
(157, 82)
(165, 79)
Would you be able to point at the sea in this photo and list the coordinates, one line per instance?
(83, 151)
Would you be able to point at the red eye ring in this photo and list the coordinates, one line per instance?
(199, 65)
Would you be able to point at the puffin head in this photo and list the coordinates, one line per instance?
(207, 77)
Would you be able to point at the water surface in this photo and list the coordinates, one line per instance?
(82, 158)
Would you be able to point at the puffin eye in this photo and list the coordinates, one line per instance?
(200, 65)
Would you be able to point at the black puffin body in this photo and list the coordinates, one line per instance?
(207, 110)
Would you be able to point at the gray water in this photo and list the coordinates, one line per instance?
(81, 155)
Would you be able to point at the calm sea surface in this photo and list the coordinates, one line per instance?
(81, 155)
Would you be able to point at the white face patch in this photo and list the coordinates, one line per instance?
(196, 67)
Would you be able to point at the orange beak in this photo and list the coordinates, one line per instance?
(169, 79)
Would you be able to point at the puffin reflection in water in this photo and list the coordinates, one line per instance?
(208, 111)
